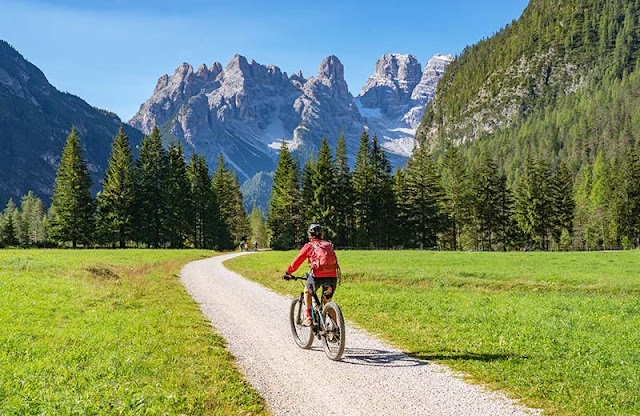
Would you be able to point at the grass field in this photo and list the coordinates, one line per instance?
(96, 332)
(559, 330)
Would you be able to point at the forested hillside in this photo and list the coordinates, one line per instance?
(554, 94)
(555, 49)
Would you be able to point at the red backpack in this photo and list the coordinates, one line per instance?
(323, 257)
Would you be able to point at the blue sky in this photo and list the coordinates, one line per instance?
(111, 53)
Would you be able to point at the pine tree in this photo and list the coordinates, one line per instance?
(204, 209)
(563, 203)
(454, 178)
(505, 230)
(30, 220)
(534, 204)
(483, 206)
(363, 193)
(72, 203)
(178, 201)
(424, 199)
(582, 192)
(223, 186)
(323, 185)
(151, 196)
(8, 235)
(598, 197)
(115, 202)
(383, 201)
(241, 227)
(284, 219)
(632, 175)
(402, 237)
(258, 227)
(343, 192)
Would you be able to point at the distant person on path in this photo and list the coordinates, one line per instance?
(246, 247)
(324, 267)
(241, 245)
(255, 246)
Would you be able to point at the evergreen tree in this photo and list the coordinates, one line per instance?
(343, 192)
(403, 235)
(223, 186)
(505, 231)
(454, 178)
(30, 220)
(632, 175)
(424, 199)
(363, 195)
(151, 196)
(284, 219)
(115, 202)
(8, 235)
(241, 227)
(178, 201)
(323, 185)
(563, 202)
(534, 205)
(582, 192)
(258, 227)
(72, 203)
(383, 201)
(598, 197)
(483, 206)
(204, 209)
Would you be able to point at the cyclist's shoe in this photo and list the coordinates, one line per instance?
(307, 321)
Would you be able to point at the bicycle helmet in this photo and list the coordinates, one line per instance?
(315, 230)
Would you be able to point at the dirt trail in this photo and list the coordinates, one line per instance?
(372, 379)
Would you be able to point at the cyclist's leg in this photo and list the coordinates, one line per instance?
(328, 289)
(307, 291)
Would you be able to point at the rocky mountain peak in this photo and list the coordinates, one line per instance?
(391, 84)
(426, 88)
(331, 68)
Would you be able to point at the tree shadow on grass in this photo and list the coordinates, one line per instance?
(463, 356)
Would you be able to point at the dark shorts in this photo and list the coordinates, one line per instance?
(328, 285)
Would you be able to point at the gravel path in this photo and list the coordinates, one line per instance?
(372, 379)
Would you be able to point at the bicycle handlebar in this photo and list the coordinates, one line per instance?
(294, 278)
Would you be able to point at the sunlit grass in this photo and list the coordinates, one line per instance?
(559, 330)
(110, 332)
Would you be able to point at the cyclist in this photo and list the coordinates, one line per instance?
(324, 267)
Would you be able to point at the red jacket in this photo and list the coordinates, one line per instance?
(305, 254)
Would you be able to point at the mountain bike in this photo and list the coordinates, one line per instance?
(327, 323)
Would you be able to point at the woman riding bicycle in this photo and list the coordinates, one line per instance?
(324, 268)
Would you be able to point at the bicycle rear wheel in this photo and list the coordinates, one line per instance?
(333, 340)
(302, 335)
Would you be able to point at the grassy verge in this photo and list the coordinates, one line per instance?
(559, 330)
(110, 332)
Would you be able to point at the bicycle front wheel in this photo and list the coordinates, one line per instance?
(333, 340)
(302, 335)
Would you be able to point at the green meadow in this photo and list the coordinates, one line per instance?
(561, 331)
(95, 332)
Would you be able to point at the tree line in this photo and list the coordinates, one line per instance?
(158, 200)
(453, 202)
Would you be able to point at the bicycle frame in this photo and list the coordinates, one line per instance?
(318, 326)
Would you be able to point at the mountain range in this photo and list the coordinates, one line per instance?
(246, 110)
